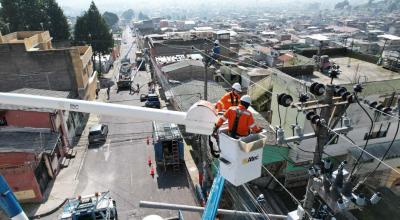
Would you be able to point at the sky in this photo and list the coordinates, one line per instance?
(120, 5)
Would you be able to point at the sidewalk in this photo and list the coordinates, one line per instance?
(66, 182)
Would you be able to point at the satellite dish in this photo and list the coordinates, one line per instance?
(153, 217)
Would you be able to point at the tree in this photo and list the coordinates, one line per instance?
(56, 21)
(35, 15)
(32, 14)
(91, 28)
(142, 16)
(10, 14)
(110, 18)
(128, 14)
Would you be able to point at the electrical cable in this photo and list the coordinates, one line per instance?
(291, 195)
(279, 115)
(382, 112)
(254, 200)
(384, 155)
(368, 137)
(371, 155)
(236, 73)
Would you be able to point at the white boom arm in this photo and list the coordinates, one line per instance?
(199, 119)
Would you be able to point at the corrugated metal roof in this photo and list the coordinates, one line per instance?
(28, 141)
(41, 92)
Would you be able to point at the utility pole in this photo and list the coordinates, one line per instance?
(322, 134)
(204, 138)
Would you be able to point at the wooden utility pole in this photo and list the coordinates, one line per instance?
(322, 134)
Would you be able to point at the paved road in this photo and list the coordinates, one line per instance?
(120, 165)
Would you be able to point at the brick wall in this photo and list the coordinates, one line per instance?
(28, 119)
(15, 158)
(23, 183)
(20, 176)
(36, 69)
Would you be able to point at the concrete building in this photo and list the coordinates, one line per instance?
(34, 144)
(29, 160)
(383, 176)
(380, 87)
(184, 70)
(28, 60)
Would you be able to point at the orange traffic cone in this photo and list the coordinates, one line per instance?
(149, 161)
(152, 172)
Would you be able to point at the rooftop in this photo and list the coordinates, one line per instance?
(40, 92)
(166, 131)
(389, 37)
(164, 60)
(357, 68)
(189, 92)
(318, 37)
(181, 64)
(27, 141)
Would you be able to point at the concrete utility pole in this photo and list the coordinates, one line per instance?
(204, 138)
(322, 134)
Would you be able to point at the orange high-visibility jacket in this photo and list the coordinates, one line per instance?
(226, 101)
(245, 124)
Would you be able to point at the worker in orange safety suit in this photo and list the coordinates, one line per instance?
(240, 120)
(229, 99)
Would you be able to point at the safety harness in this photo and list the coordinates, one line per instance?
(236, 123)
(235, 102)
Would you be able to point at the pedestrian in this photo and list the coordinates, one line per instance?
(108, 92)
(97, 93)
(138, 88)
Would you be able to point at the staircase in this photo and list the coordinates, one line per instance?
(175, 156)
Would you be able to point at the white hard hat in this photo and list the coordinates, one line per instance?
(237, 87)
(246, 98)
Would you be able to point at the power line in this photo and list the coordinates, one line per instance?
(235, 73)
(254, 200)
(384, 155)
(368, 137)
(382, 112)
(291, 195)
(376, 158)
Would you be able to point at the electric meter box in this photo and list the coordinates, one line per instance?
(241, 159)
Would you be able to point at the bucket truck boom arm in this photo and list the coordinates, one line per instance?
(199, 119)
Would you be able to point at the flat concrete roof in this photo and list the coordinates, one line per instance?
(319, 37)
(357, 68)
(389, 37)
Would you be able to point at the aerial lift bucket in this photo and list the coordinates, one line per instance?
(241, 159)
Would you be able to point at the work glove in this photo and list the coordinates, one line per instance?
(215, 131)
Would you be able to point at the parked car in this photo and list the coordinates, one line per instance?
(151, 100)
(98, 134)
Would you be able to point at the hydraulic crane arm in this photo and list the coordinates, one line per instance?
(199, 119)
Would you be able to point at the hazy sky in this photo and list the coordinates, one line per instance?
(118, 5)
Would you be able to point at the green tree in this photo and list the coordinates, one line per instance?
(35, 15)
(10, 14)
(128, 14)
(110, 18)
(90, 28)
(57, 23)
(32, 14)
